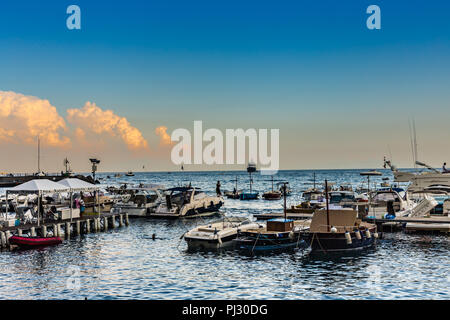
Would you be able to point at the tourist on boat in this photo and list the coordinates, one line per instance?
(218, 189)
(444, 169)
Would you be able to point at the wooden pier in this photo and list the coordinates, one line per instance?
(65, 228)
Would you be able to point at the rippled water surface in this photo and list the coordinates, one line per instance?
(125, 263)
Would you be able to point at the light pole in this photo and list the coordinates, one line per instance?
(94, 162)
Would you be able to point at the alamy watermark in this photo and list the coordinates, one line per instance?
(231, 151)
(73, 281)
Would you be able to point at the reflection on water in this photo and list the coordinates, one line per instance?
(125, 263)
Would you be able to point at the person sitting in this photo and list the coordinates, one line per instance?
(444, 169)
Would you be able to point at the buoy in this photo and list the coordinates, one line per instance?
(375, 235)
(333, 229)
(348, 237)
(368, 236)
(358, 235)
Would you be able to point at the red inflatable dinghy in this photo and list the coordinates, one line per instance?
(29, 242)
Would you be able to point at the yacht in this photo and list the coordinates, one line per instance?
(139, 201)
(187, 202)
(422, 179)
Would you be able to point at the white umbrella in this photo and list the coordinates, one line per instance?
(75, 184)
(38, 186)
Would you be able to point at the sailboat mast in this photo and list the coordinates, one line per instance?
(314, 174)
(328, 210)
(284, 206)
(39, 155)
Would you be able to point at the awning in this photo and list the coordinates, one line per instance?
(38, 185)
(75, 184)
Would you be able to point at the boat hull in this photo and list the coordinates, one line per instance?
(192, 213)
(336, 242)
(248, 196)
(260, 243)
(34, 242)
(210, 244)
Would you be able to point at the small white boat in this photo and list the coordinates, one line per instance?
(217, 234)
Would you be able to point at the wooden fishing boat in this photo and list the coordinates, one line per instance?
(338, 230)
(277, 235)
(273, 194)
(32, 242)
(250, 195)
(235, 193)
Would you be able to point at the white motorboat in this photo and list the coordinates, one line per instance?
(139, 201)
(422, 179)
(187, 202)
(217, 234)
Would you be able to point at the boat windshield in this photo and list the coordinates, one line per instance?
(385, 196)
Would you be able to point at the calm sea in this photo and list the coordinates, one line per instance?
(125, 263)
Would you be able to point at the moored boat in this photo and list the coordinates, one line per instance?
(272, 194)
(252, 195)
(187, 202)
(32, 242)
(338, 230)
(277, 235)
(217, 234)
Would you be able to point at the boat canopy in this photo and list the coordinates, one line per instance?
(38, 186)
(75, 184)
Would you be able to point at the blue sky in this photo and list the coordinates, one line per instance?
(310, 68)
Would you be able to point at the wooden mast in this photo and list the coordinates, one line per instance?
(284, 206)
(328, 210)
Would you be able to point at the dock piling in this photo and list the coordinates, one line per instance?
(120, 220)
(7, 236)
(105, 223)
(2, 239)
(68, 230)
(44, 231)
(77, 228)
(127, 222)
(88, 226)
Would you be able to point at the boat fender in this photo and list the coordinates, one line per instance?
(358, 234)
(219, 240)
(205, 205)
(348, 237)
(333, 229)
(368, 236)
(291, 235)
(375, 235)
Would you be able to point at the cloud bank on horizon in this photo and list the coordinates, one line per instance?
(23, 118)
